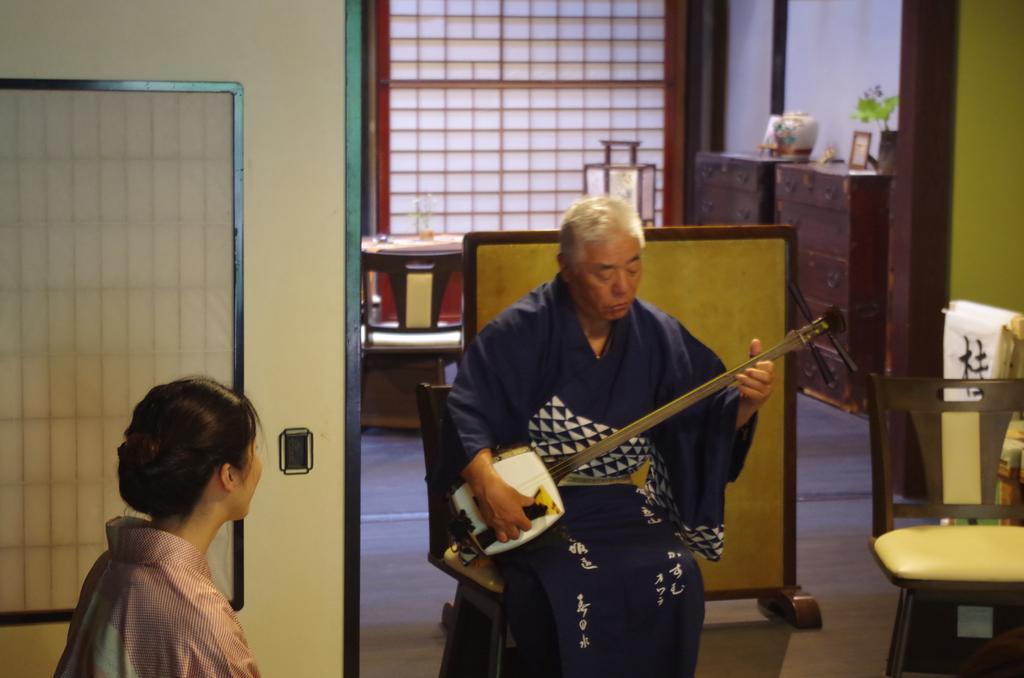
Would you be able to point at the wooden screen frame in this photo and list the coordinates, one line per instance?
(235, 90)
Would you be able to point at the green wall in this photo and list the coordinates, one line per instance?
(988, 168)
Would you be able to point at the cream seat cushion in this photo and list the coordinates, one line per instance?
(968, 553)
(482, 570)
(425, 340)
(428, 340)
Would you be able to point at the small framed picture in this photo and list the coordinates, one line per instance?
(859, 150)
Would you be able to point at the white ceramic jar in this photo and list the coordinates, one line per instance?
(792, 134)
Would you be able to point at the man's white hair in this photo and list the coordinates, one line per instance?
(592, 219)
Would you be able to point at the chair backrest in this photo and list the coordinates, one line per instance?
(417, 282)
(430, 401)
(961, 443)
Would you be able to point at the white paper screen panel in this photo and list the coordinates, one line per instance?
(116, 273)
(550, 80)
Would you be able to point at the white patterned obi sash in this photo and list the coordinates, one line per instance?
(556, 432)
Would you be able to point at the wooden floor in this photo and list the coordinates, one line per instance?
(402, 596)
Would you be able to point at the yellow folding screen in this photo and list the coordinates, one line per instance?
(727, 285)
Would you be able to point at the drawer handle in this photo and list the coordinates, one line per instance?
(830, 192)
(742, 178)
(706, 206)
(706, 171)
(789, 185)
(832, 279)
(868, 310)
(743, 213)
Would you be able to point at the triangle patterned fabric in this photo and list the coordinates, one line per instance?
(556, 433)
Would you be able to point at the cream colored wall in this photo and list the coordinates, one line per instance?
(289, 58)
(836, 49)
(748, 83)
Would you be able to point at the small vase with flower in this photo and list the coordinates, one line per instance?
(873, 106)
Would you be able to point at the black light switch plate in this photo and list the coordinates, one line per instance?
(295, 451)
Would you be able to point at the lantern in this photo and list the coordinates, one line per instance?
(631, 181)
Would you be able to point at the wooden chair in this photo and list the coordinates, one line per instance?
(475, 623)
(961, 443)
(417, 344)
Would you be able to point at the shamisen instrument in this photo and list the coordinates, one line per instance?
(523, 469)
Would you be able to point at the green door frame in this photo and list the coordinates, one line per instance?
(355, 181)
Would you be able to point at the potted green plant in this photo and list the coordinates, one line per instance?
(874, 106)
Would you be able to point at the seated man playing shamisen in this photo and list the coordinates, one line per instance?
(613, 589)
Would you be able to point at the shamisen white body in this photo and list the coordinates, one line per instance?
(521, 468)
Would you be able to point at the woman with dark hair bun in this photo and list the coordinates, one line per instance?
(149, 606)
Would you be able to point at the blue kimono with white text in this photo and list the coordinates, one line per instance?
(613, 589)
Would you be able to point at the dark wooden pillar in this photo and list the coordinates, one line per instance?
(780, 29)
(707, 34)
(675, 112)
(919, 240)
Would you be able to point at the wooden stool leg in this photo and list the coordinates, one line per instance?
(439, 370)
(448, 617)
(893, 636)
(449, 668)
(476, 637)
(902, 632)
(497, 649)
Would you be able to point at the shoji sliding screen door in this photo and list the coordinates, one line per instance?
(488, 109)
(120, 268)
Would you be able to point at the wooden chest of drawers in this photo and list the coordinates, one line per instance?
(842, 226)
(734, 188)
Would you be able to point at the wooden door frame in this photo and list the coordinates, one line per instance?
(920, 229)
(920, 232)
(357, 213)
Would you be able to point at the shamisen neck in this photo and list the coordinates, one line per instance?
(793, 340)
